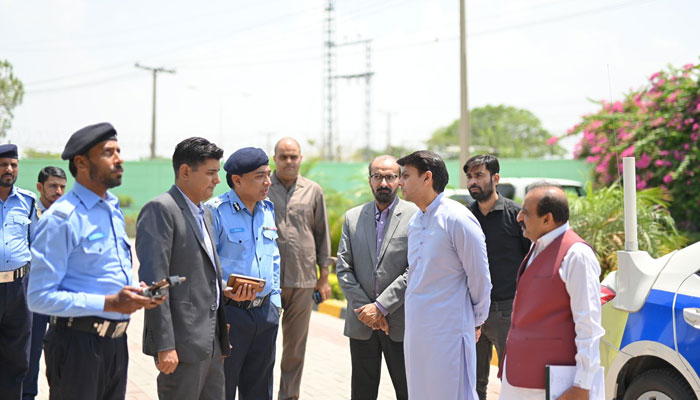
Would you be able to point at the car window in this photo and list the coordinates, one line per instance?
(507, 190)
(572, 189)
(463, 198)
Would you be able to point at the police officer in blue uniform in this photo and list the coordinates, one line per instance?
(245, 234)
(18, 215)
(81, 274)
(51, 185)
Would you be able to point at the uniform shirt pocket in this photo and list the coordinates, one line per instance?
(95, 243)
(17, 225)
(236, 247)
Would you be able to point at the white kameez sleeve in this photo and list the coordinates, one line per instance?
(580, 272)
(470, 245)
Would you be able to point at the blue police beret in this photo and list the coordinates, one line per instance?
(82, 141)
(8, 151)
(245, 160)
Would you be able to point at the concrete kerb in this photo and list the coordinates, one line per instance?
(338, 309)
(332, 307)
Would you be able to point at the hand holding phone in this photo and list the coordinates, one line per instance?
(157, 289)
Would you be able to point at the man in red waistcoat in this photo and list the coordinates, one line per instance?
(556, 311)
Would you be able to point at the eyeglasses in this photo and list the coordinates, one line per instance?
(377, 178)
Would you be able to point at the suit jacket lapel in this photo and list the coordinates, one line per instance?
(368, 224)
(394, 219)
(177, 196)
(210, 230)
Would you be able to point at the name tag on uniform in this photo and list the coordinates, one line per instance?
(96, 235)
(236, 230)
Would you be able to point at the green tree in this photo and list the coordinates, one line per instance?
(508, 131)
(11, 94)
(33, 153)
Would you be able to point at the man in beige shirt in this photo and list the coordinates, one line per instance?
(304, 242)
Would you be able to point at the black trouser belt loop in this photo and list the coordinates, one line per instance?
(11, 276)
(98, 326)
(258, 302)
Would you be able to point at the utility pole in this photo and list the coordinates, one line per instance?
(155, 72)
(464, 134)
(367, 75)
(327, 137)
(388, 130)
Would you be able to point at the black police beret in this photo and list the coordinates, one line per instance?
(8, 151)
(83, 140)
(245, 160)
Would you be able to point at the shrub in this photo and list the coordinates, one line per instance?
(599, 219)
(659, 125)
(125, 201)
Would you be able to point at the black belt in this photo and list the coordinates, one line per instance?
(257, 302)
(99, 326)
(11, 276)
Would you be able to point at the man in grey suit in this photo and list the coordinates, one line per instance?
(372, 269)
(187, 334)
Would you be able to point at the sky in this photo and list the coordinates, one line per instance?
(248, 73)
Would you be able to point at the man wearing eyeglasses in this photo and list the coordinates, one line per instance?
(304, 243)
(372, 271)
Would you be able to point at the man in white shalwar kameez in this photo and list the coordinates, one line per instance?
(449, 286)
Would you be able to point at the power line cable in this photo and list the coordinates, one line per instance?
(189, 19)
(385, 48)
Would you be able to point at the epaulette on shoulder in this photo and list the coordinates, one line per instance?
(62, 209)
(27, 193)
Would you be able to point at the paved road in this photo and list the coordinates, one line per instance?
(326, 373)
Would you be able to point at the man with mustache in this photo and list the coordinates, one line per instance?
(506, 247)
(304, 242)
(17, 216)
(246, 241)
(51, 185)
(562, 327)
(372, 270)
(81, 274)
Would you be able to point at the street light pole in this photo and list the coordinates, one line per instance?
(464, 134)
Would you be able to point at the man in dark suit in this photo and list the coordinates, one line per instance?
(372, 268)
(187, 334)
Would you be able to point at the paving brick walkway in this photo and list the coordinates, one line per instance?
(326, 375)
(326, 372)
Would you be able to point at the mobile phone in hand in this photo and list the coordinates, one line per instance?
(317, 297)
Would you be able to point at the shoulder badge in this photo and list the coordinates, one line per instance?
(62, 209)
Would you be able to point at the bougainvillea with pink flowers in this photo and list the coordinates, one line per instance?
(660, 126)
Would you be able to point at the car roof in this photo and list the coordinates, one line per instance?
(528, 181)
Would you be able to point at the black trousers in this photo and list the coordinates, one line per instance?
(253, 335)
(30, 387)
(366, 358)
(84, 366)
(494, 332)
(15, 333)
